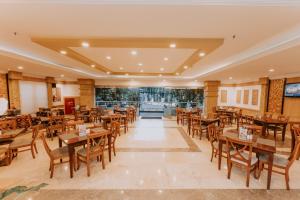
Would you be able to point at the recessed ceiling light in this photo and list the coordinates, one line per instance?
(108, 57)
(93, 66)
(202, 54)
(166, 59)
(62, 75)
(271, 70)
(121, 68)
(141, 70)
(185, 67)
(177, 74)
(20, 67)
(162, 69)
(133, 52)
(159, 75)
(140, 64)
(126, 74)
(63, 52)
(172, 45)
(85, 44)
(196, 80)
(230, 78)
(107, 72)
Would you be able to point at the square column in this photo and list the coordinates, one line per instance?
(210, 95)
(14, 89)
(87, 92)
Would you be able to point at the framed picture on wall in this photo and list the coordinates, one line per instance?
(246, 97)
(56, 94)
(254, 97)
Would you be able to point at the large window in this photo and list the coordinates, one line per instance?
(182, 97)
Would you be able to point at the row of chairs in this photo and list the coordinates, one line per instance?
(240, 153)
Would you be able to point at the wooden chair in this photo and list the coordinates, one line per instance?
(7, 124)
(178, 115)
(240, 153)
(214, 133)
(124, 123)
(197, 128)
(95, 149)
(4, 155)
(55, 155)
(280, 163)
(55, 130)
(293, 127)
(26, 144)
(115, 131)
(278, 129)
(23, 121)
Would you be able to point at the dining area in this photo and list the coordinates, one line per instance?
(249, 142)
(78, 141)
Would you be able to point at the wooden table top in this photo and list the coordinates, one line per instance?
(258, 143)
(6, 134)
(270, 121)
(71, 137)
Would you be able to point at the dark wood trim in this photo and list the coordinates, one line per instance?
(283, 97)
(268, 95)
(7, 89)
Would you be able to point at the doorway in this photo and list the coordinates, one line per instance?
(69, 105)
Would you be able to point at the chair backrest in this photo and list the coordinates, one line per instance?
(7, 124)
(115, 118)
(196, 120)
(213, 133)
(56, 127)
(95, 144)
(23, 121)
(236, 149)
(115, 129)
(35, 132)
(46, 146)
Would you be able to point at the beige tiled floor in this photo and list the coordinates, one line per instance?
(135, 169)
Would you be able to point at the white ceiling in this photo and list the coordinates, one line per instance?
(257, 29)
(152, 59)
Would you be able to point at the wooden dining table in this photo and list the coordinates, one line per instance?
(204, 121)
(260, 145)
(265, 122)
(106, 119)
(10, 134)
(72, 139)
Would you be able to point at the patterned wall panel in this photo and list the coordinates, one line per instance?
(254, 97)
(246, 97)
(238, 96)
(223, 96)
(275, 95)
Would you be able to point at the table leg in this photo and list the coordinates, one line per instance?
(60, 145)
(109, 147)
(71, 159)
(283, 133)
(270, 166)
(220, 155)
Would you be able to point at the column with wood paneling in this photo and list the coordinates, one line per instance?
(264, 82)
(49, 82)
(14, 89)
(87, 92)
(210, 95)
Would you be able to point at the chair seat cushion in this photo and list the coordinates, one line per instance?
(245, 154)
(60, 152)
(277, 160)
(83, 151)
(20, 142)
